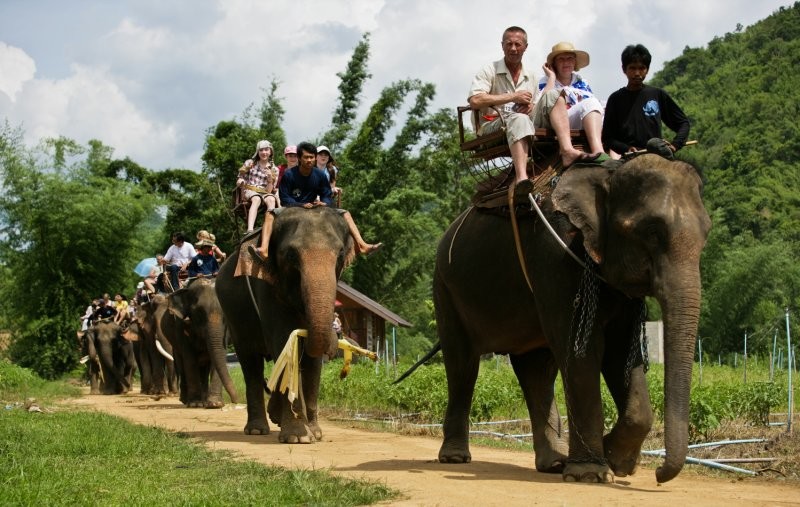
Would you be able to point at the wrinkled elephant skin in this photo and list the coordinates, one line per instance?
(644, 225)
(194, 325)
(157, 372)
(113, 354)
(308, 248)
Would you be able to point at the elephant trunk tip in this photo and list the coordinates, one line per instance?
(668, 471)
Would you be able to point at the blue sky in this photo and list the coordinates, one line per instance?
(150, 77)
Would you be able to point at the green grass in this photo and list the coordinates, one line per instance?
(68, 457)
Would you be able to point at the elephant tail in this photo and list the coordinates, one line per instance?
(436, 348)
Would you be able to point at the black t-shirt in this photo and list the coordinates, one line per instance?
(633, 117)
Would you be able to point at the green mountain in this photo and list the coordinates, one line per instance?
(741, 95)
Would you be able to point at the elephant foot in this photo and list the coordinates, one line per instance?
(195, 404)
(295, 432)
(587, 472)
(256, 428)
(215, 404)
(550, 462)
(454, 453)
(622, 458)
(315, 430)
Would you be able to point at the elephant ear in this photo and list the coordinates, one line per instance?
(581, 195)
(247, 265)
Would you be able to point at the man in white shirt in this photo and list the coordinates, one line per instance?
(178, 257)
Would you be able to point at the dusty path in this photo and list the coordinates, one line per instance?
(495, 477)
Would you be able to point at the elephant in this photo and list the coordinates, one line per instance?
(641, 227)
(107, 348)
(156, 362)
(296, 289)
(193, 323)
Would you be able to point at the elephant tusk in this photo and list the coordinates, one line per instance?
(84, 359)
(163, 352)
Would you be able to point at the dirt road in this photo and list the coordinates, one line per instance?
(495, 477)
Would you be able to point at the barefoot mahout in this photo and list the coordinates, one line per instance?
(641, 226)
(294, 289)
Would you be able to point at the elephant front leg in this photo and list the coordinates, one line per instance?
(586, 461)
(294, 429)
(536, 372)
(623, 445)
(312, 372)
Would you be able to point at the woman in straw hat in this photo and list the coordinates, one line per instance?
(583, 108)
(258, 177)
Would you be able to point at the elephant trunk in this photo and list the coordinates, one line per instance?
(217, 352)
(680, 305)
(318, 289)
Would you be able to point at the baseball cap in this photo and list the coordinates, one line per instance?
(290, 150)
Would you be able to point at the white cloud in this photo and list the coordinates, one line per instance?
(89, 105)
(16, 68)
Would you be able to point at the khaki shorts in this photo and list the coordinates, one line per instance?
(518, 126)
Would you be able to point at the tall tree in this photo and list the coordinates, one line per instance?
(68, 236)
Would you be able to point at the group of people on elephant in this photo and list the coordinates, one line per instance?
(509, 97)
(310, 183)
(624, 221)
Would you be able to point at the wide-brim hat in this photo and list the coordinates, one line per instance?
(204, 242)
(581, 57)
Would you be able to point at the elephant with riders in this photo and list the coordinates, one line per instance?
(565, 294)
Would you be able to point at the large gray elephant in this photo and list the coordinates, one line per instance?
(194, 325)
(641, 226)
(107, 348)
(308, 248)
(156, 360)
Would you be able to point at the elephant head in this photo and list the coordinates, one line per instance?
(113, 353)
(194, 325)
(643, 222)
(309, 248)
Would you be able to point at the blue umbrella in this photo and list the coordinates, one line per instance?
(145, 266)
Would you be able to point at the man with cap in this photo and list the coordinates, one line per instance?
(204, 264)
(290, 154)
(307, 186)
(505, 93)
(258, 177)
(583, 108)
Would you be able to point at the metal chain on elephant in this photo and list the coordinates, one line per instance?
(638, 350)
(584, 308)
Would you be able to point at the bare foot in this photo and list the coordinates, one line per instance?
(258, 253)
(575, 156)
(368, 249)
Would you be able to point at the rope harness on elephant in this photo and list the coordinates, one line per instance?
(584, 308)
(638, 351)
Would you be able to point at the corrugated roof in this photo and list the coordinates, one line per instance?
(345, 290)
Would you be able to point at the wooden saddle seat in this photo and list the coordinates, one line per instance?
(488, 159)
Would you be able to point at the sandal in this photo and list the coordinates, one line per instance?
(256, 254)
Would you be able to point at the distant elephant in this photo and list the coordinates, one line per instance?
(643, 225)
(308, 248)
(194, 325)
(106, 347)
(157, 365)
